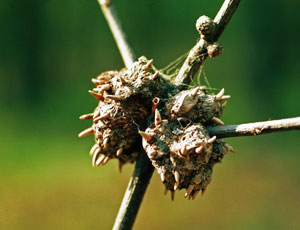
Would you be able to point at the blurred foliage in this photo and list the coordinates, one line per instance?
(49, 52)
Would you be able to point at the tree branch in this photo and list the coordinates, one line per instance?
(117, 31)
(198, 53)
(135, 192)
(253, 129)
(143, 168)
(224, 15)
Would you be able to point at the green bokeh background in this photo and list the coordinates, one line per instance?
(49, 51)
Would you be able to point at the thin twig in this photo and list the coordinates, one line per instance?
(135, 192)
(143, 168)
(253, 129)
(117, 31)
(224, 15)
(198, 53)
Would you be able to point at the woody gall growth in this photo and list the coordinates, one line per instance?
(175, 138)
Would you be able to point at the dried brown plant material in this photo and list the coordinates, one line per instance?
(124, 104)
(214, 50)
(205, 26)
(196, 105)
(175, 138)
(184, 157)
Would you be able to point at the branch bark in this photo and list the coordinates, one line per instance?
(116, 28)
(143, 168)
(135, 192)
(224, 15)
(198, 53)
(254, 129)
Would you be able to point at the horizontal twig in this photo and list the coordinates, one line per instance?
(256, 128)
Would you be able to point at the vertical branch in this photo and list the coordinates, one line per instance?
(117, 31)
(135, 192)
(143, 168)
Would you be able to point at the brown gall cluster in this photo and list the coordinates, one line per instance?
(178, 144)
(124, 104)
(174, 137)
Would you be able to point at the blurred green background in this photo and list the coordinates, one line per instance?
(49, 52)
